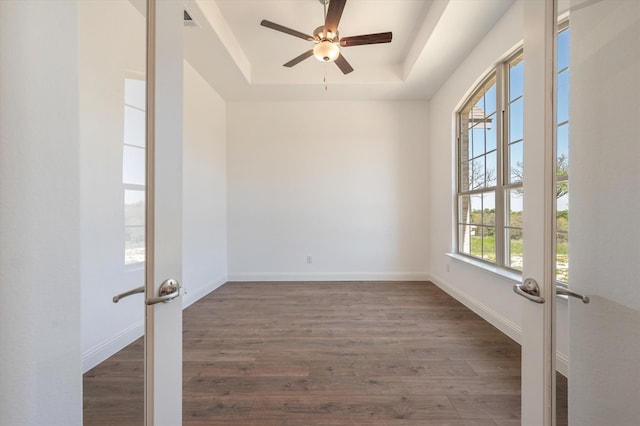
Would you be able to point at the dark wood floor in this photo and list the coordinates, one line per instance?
(339, 353)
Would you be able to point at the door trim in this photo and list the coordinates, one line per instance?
(538, 346)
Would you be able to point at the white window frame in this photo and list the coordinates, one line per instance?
(502, 182)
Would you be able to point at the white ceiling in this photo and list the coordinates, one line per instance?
(243, 60)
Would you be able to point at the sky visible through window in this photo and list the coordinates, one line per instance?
(562, 134)
(562, 155)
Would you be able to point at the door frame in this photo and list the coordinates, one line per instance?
(163, 226)
(538, 322)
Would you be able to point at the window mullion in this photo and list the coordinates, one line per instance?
(501, 171)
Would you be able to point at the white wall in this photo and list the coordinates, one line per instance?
(204, 232)
(353, 197)
(108, 54)
(40, 369)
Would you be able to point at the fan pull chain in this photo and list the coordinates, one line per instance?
(324, 80)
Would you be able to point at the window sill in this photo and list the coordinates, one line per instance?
(511, 276)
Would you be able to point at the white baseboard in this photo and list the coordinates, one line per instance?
(329, 276)
(494, 318)
(503, 324)
(104, 350)
(193, 295)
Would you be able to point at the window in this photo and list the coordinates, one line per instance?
(489, 168)
(133, 171)
(562, 155)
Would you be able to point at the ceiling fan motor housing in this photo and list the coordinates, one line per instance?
(326, 38)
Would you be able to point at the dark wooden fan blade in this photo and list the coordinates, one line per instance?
(366, 39)
(344, 66)
(334, 13)
(299, 59)
(286, 30)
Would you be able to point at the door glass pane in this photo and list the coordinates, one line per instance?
(562, 232)
(563, 95)
(134, 218)
(513, 225)
(111, 83)
(133, 165)
(134, 122)
(598, 342)
(562, 148)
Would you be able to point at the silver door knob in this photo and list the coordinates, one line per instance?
(529, 289)
(169, 290)
(131, 292)
(566, 292)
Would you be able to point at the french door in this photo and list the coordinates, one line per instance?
(600, 141)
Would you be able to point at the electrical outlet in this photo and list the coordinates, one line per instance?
(309, 260)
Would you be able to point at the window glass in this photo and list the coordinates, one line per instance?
(515, 120)
(516, 162)
(490, 99)
(514, 226)
(516, 75)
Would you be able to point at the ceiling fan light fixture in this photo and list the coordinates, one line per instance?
(326, 51)
(327, 38)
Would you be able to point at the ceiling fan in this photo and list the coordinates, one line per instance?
(327, 38)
